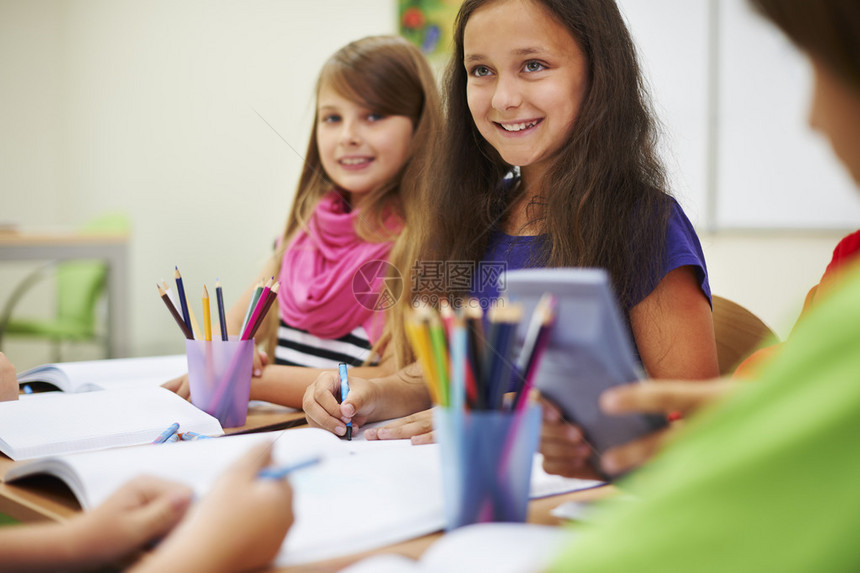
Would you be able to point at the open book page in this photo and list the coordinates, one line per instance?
(394, 491)
(545, 485)
(542, 483)
(375, 498)
(496, 547)
(61, 423)
(88, 375)
(94, 476)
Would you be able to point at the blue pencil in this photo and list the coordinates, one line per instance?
(279, 472)
(165, 435)
(180, 292)
(188, 436)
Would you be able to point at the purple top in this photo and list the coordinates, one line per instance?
(507, 252)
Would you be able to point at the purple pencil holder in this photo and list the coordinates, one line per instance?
(219, 378)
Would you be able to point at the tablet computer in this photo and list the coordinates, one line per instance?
(590, 349)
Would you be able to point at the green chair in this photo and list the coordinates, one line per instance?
(79, 286)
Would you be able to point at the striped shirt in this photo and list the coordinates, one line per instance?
(301, 348)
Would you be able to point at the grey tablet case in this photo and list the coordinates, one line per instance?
(589, 350)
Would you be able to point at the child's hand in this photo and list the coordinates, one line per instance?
(239, 525)
(261, 360)
(179, 386)
(564, 449)
(8, 380)
(418, 427)
(323, 410)
(143, 510)
(676, 398)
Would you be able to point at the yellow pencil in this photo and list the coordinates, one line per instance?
(419, 337)
(207, 323)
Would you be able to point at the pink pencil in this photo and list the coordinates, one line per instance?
(273, 294)
(261, 302)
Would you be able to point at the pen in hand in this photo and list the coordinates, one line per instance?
(344, 390)
(279, 472)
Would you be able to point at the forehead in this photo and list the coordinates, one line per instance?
(515, 28)
(328, 96)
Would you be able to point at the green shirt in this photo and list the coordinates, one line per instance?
(767, 481)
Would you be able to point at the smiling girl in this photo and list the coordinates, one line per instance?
(377, 110)
(549, 159)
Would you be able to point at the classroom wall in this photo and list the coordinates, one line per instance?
(193, 117)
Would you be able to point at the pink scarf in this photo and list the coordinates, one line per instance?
(318, 268)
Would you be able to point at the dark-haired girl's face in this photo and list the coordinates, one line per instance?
(526, 80)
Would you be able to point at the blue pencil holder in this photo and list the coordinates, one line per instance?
(486, 463)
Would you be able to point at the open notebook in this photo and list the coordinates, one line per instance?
(88, 375)
(393, 486)
(60, 423)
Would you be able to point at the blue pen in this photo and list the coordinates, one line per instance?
(279, 472)
(344, 390)
(166, 433)
(27, 389)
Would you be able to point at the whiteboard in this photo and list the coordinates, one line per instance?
(733, 95)
(773, 170)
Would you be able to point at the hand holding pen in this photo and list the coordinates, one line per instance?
(344, 391)
(238, 525)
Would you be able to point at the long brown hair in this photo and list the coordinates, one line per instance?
(829, 30)
(389, 76)
(607, 206)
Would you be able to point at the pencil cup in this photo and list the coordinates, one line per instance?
(486, 463)
(219, 378)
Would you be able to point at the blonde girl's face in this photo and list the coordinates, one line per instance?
(526, 80)
(360, 149)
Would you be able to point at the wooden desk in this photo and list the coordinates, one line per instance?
(111, 248)
(46, 498)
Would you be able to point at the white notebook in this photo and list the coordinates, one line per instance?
(61, 423)
(88, 375)
(393, 486)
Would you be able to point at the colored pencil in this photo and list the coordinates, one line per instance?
(440, 353)
(165, 435)
(180, 294)
(222, 317)
(207, 318)
(500, 344)
(185, 330)
(535, 343)
(258, 309)
(251, 303)
(273, 296)
(419, 338)
(170, 294)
